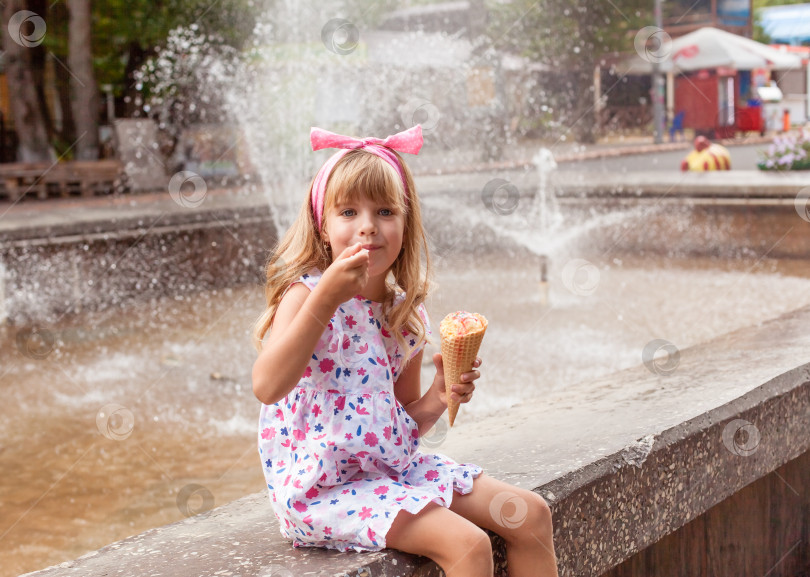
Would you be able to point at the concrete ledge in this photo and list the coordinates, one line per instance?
(732, 184)
(623, 461)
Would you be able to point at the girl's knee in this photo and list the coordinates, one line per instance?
(471, 545)
(541, 513)
(536, 519)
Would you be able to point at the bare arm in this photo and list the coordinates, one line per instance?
(299, 322)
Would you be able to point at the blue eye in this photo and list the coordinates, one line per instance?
(386, 212)
(348, 210)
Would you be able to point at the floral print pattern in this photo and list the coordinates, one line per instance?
(340, 454)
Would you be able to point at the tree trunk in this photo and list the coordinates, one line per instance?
(29, 122)
(39, 56)
(83, 80)
(67, 132)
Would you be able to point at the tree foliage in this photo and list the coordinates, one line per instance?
(570, 38)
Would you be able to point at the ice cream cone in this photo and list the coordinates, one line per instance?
(461, 334)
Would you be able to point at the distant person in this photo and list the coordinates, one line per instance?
(339, 379)
(706, 156)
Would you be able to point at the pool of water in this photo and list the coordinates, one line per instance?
(136, 417)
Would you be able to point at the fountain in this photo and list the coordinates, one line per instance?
(128, 416)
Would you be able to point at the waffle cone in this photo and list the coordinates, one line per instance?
(458, 356)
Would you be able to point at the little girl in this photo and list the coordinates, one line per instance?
(339, 380)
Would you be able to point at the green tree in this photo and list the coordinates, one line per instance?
(570, 37)
(124, 44)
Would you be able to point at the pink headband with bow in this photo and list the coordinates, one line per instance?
(409, 141)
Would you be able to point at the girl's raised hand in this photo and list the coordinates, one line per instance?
(347, 275)
(461, 391)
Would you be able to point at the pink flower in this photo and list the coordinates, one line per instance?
(299, 506)
(371, 535)
(381, 490)
(307, 373)
(350, 321)
(387, 433)
(365, 513)
(361, 371)
(299, 434)
(312, 493)
(442, 488)
(432, 475)
(316, 410)
(327, 530)
(269, 433)
(326, 365)
(371, 439)
(340, 403)
(349, 436)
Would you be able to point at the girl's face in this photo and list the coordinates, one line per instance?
(378, 227)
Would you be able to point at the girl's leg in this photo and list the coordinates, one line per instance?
(521, 517)
(459, 547)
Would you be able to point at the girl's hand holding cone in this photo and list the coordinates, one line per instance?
(460, 392)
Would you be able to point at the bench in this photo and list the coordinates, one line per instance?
(44, 180)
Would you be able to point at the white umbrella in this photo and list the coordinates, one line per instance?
(711, 48)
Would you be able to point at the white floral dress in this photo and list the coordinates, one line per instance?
(339, 453)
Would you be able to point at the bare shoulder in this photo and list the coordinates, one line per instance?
(290, 304)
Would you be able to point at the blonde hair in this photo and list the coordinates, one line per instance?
(302, 247)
